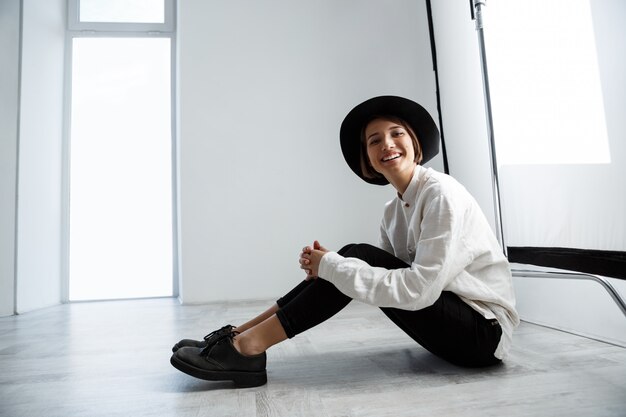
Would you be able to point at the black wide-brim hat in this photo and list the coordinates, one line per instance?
(415, 115)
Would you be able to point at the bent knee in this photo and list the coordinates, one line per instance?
(345, 249)
(356, 250)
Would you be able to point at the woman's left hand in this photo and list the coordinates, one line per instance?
(310, 259)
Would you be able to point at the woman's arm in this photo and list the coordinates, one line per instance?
(441, 255)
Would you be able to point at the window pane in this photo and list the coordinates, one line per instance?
(120, 172)
(546, 92)
(122, 11)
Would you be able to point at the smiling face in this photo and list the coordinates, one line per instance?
(391, 150)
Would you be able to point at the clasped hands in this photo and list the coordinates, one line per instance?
(310, 259)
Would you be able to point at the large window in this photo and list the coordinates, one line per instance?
(120, 153)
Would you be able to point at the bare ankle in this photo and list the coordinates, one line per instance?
(240, 329)
(246, 346)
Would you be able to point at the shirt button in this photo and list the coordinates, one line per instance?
(406, 205)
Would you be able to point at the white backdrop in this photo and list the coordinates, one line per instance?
(263, 89)
(564, 112)
(568, 187)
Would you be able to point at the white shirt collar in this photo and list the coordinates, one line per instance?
(411, 191)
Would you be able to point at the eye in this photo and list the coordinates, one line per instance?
(374, 141)
(397, 133)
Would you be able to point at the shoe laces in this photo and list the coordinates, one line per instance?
(221, 338)
(216, 333)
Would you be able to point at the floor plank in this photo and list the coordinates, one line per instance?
(112, 359)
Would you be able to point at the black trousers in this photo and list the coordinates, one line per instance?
(449, 328)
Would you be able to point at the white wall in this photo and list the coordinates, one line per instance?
(9, 76)
(263, 89)
(578, 306)
(40, 145)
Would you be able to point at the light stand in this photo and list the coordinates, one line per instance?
(478, 5)
(477, 15)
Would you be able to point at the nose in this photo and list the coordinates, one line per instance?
(388, 142)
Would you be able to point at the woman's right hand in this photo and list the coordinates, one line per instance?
(310, 259)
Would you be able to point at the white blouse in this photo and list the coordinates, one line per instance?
(438, 229)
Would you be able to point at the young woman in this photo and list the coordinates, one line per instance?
(438, 272)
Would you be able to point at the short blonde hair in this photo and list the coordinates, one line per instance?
(366, 166)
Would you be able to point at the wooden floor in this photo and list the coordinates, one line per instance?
(112, 359)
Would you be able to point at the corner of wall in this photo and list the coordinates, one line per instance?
(10, 20)
(39, 230)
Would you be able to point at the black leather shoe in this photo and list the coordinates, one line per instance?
(222, 362)
(209, 339)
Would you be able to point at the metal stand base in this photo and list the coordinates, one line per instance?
(577, 276)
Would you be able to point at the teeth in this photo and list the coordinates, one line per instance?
(390, 157)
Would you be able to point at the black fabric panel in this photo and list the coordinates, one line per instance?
(598, 262)
(433, 49)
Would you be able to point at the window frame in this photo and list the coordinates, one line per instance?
(76, 29)
(74, 23)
